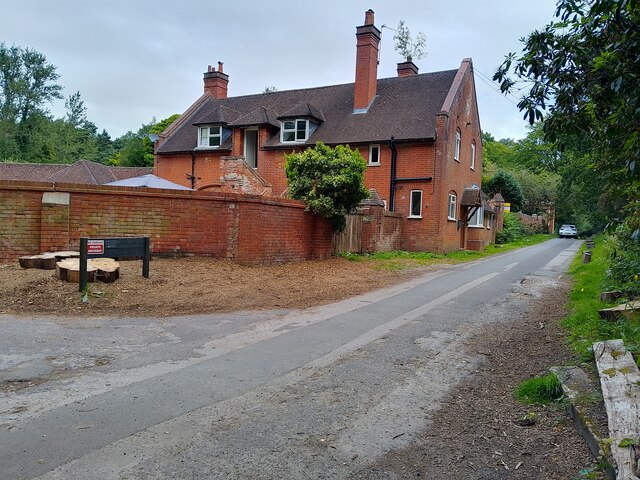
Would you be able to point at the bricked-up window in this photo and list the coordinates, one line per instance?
(452, 206)
(456, 148)
(473, 155)
(294, 130)
(477, 219)
(210, 137)
(374, 155)
(416, 204)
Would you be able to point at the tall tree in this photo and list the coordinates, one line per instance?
(27, 83)
(583, 72)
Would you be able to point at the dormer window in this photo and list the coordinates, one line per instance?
(210, 136)
(294, 130)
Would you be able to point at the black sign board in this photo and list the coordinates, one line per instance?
(112, 247)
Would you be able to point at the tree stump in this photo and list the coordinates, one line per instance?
(104, 269)
(45, 261)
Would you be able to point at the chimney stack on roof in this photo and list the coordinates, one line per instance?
(367, 47)
(215, 83)
(407, 69)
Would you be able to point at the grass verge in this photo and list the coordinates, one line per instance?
(400, 260)
(584, 325)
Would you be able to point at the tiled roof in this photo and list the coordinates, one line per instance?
(82, 171)
(33, 172)
(404, 108)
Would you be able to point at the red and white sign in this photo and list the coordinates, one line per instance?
(95, 247)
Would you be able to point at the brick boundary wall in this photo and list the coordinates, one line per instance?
(538, 222)
(38, 217)
(381, 231)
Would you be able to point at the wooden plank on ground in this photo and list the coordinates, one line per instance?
(620, 382)
(625, 309)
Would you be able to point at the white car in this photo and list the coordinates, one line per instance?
(568, 231)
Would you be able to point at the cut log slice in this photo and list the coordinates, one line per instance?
(47, 261)
(31, 261)
(108, 270)
(105, 269)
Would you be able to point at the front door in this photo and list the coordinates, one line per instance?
(251, 147)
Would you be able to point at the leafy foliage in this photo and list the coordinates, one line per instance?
(329, 180)
(512, 230)
(623, 272)
(505, 184)
(410, 48)
(583, 71)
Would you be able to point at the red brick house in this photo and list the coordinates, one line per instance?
(420, 135)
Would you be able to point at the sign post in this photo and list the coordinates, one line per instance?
(113, 247)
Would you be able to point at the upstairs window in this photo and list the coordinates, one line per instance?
(294, 131)
(374, 155)
(473, 156)
(210, 137)
(456, 148)
(452, 206)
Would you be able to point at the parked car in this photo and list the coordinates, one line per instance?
(568, 231)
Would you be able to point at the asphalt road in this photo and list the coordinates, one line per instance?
(291, 394)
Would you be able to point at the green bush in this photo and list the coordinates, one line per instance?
(512, 230)
(623, 272)
(329, 180)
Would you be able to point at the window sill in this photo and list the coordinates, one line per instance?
(415, 217)
(293, 141)
(457, 160)
(373, 164)
(208, 148)
(451, 219)
(472, 168)
(475, 226)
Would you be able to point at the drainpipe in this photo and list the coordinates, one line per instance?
(392, 189)
(192, 177)
(394, 179)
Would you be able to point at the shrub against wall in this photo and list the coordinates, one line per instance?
(513, 229)
(329, 180)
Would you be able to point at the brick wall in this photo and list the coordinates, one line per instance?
(381, 231)
(34, 217)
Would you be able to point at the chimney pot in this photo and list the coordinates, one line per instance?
(368, 17)
(220, 66)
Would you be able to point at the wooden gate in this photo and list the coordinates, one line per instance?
(350, 239)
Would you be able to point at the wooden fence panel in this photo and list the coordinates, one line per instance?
(350, 239)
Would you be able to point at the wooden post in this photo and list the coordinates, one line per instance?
(82, 284)
(145, 258)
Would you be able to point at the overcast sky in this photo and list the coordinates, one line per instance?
(135, 60)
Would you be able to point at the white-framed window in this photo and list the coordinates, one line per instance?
(456, 147)
(294, 130)
(477, 219)
(415, 208)
(473, 155)
(453, 200)
(210, 136)
(374, 155)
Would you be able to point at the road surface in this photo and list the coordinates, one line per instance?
(318, 393)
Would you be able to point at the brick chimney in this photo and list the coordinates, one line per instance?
(367, 45)
(215, 83)
(407, 69)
